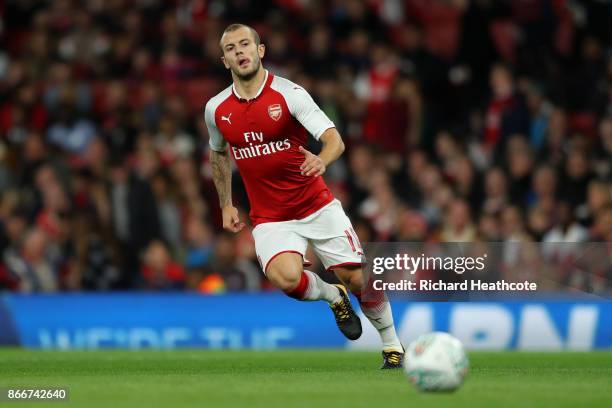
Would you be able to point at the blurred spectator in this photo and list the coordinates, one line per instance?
(168, 210)
(159, 270)
(577, 176)
(544, 185)
(540, 111)
(200, 247)
(236, 274)
(135, 216)
(566, 235)
(381, 206)
(507, 113)
(466, 181)
(604, 149)
(489, 228)
(496, 191)
(96, 255)
(555, 147)
(458, 224)
(32, 265)
(519, 158)
(603, 224)
(599, 195)
(514, 234)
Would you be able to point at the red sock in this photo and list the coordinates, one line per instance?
(299, 292)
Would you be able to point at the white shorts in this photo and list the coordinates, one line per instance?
(328, 230)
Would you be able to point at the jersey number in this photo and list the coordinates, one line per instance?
(353, 240)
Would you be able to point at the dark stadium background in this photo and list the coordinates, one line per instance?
(464, 120)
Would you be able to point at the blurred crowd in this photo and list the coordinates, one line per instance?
(464, 120)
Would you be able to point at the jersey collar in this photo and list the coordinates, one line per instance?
(261, 88)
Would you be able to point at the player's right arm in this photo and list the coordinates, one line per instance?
(222, 173)
(222, 177)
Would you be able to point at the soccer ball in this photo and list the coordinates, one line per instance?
(436, 362)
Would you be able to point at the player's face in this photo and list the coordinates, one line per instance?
(241, 54)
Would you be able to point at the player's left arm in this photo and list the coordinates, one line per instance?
(333, 146)
(316, 122)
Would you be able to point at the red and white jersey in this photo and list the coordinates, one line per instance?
(264, 134)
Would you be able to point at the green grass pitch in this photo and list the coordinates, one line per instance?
(300, 378)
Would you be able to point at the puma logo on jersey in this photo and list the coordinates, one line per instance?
(227, 118)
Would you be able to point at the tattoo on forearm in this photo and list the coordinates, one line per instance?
(222, 176)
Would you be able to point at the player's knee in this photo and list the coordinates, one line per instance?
(286, 277)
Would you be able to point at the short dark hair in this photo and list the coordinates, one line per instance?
(237, 26)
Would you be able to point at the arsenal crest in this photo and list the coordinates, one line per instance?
(275, 111)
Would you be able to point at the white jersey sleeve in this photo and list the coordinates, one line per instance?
(215, 138)
(303, 107)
